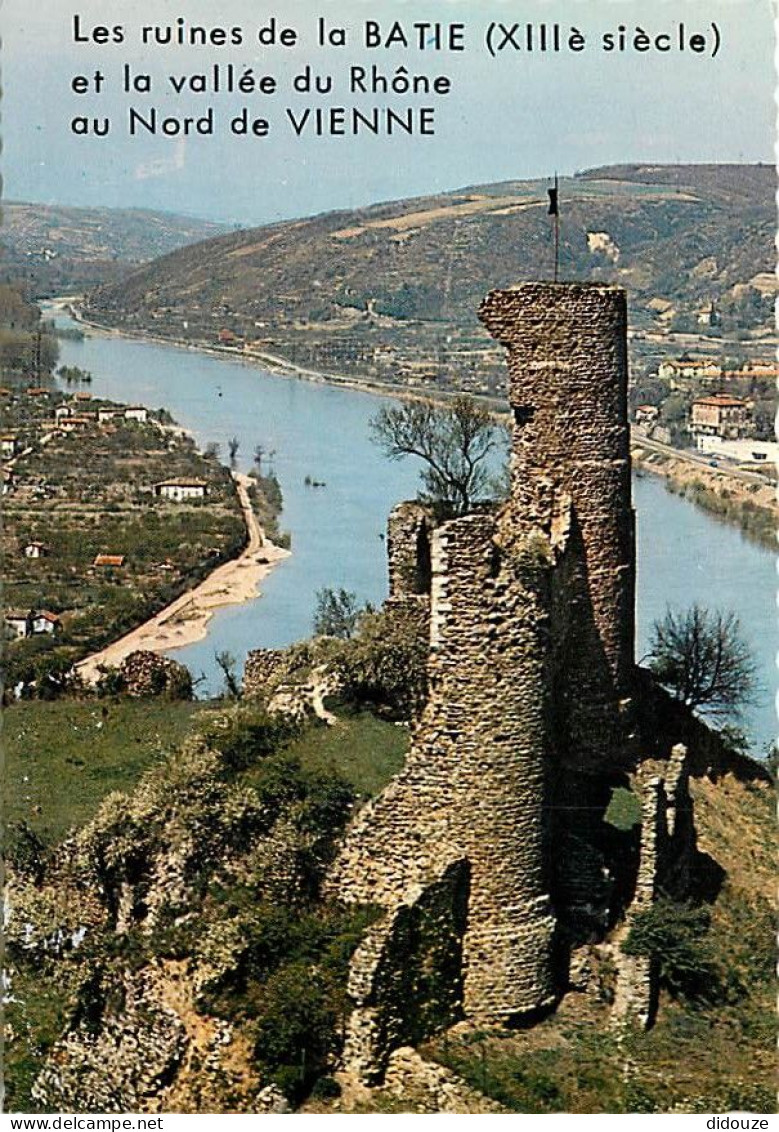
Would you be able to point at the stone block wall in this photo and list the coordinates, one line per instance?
(530, 673)
(409, 528)
(262, 665)
(473, 785)
(666, 850)
(406, 977)
(147, 673)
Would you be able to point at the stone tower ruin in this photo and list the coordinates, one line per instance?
(480, 852)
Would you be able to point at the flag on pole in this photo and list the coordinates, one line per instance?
(554, 208)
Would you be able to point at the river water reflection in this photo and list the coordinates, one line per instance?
(337, 530)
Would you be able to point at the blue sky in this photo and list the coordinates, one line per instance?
(515, 116)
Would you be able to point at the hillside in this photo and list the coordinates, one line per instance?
(203, 976)
(391, 291)
(59, 250)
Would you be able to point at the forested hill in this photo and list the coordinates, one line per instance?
(364, 288)
(55, 249)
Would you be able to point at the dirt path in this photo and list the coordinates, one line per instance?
(186, 619)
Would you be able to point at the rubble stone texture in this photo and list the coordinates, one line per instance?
(262, 667)
(149, 674)
(530, 666)
(567, 359)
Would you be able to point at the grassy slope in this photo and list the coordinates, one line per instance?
(361, 748)
(62, 758)
(696, 1058)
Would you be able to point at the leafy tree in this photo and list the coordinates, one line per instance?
(701, 657)
(453, 440)
(336, 613)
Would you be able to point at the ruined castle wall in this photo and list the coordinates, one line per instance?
(530, 671)
(409, 529)
(406, 977)
(473, 784)
(567, 362)
(262, 665)
(666, 850)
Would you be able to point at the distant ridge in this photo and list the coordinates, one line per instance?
(56, 247)
(358, 290)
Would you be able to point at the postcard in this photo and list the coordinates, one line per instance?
(389, 523)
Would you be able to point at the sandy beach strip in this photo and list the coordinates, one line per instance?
(186, 619)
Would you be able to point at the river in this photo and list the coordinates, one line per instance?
(320, 431)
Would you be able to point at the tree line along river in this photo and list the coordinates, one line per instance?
(321, 432)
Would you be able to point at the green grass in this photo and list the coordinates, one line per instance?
(362, 749)
(693, 1061)
(61, 758)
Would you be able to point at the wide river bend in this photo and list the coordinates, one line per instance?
(321, 431)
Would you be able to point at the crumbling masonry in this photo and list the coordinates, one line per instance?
(486, 852)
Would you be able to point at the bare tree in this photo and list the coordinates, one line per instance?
(233, 444)
(701, 657)
(452, 439)
(227, 662)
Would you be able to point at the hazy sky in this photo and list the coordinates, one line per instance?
(517, 115)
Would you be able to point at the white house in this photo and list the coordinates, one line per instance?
(9, 444)
(700, 369)
(136, 413)
(179, 490)
(19, 622)
(106, 415)
(35, 550)
(45, 622)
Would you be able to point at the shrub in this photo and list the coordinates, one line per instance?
(297, 1027)
(674, 936)
(326, 1089)
(250, 736)
(386, 665)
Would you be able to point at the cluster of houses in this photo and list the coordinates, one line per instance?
(719, 422)
(718, 415)
(681, 373)
(68, 416)
(31, 622)
(72, 415)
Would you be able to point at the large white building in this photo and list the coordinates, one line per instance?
(180, 490)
